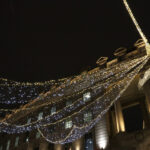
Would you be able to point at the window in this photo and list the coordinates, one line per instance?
(1, 147)
(87, 117)
(53, 110)
(40, 115)
(16, 141)
(27, 139)
(68, 103)
(50, 146)
(68, 146)
(38, 135)
(86, 97)
(89, 141)
(29, 120)
(8, 145)
(133, 118)
(41, 97)
(68, 124)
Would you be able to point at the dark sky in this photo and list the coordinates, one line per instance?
(49, 39)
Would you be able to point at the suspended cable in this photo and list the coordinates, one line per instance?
(137, 27)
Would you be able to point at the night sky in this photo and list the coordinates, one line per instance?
(50, 39)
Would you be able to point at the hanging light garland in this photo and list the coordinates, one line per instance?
(13, 92)
(105, 86)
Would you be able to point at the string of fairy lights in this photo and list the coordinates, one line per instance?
(24, 92)
(105, 87)
(47, 95)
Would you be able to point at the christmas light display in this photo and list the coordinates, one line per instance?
(24, 91)
(91, 95)
(65, 112)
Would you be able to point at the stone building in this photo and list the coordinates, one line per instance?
(126, 126)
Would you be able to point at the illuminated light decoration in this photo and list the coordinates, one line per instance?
(147, 49)
(17, 141)
(106, 86)
(147, 45)
(101, 134)
(24, 92)
(145, 78)
(8, 145)
(93, 73)
(87, 96)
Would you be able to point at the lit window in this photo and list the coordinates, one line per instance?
(89, 141)
(87, 117)
(29, 120)
(27, 139)
(86, 97)
(8, 145)
(40, 115)
(16, 141)
(68, 124)
(68, 103)
(38, 135)
(53, 110)
(1, 148)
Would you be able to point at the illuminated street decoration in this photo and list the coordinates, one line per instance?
(147, 45)
(24, 92)
(74, 120)
(78, 109)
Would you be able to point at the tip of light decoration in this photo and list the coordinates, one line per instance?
(147, 46)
